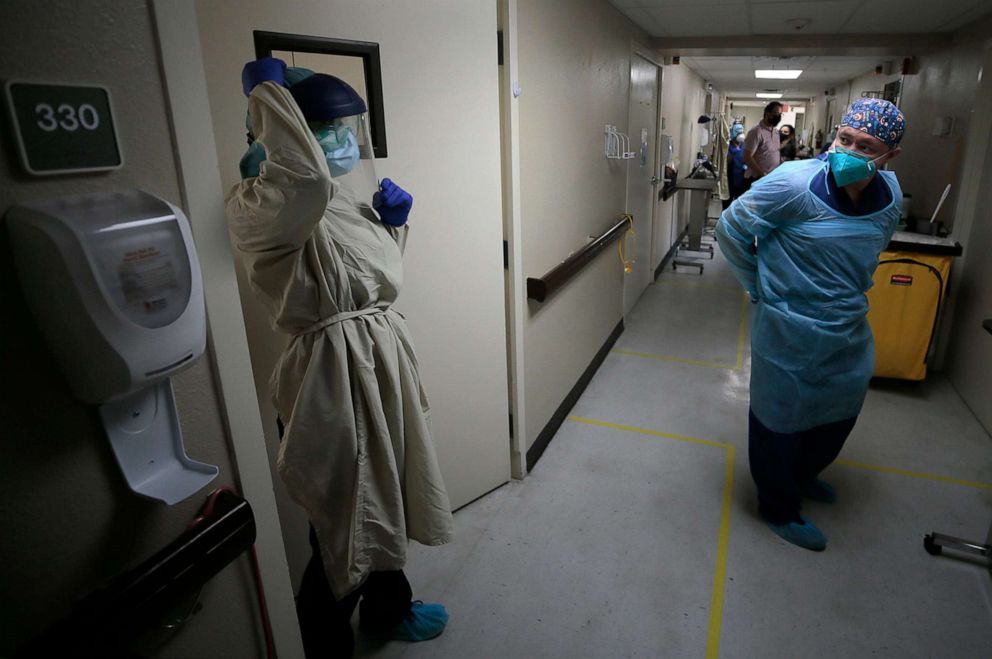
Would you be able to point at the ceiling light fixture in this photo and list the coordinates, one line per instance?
(768, 95)
(778, 74)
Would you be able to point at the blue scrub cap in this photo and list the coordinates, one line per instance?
(878, 118)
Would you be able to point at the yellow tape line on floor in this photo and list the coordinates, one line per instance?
(913, 474)
(690, 283)
(741, 341)
(669, 358)
(720, 572)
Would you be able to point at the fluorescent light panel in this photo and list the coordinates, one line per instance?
(768, 95)
(778, 74)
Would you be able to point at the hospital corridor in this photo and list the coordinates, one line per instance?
(637, 535)
(484, 329)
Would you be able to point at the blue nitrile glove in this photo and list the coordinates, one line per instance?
(260, 70)
(393, 203)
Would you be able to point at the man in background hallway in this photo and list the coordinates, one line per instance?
(762, 144)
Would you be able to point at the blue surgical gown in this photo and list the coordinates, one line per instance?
(812, 353)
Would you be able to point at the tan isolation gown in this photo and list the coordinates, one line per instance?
(357, 452)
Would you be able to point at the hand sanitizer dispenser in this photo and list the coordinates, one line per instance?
(114, 284)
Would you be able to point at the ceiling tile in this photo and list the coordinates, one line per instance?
(907, 16)
(672, 3)
(980, 11)
(788, 2)
(824, 17)
(735, 75)
(694, 20)
(708, 17)
(646, 21)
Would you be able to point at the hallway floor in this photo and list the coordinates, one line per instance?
(637, 534)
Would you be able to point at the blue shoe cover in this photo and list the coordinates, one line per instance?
(424, 622)
(805, 535)
(821, 491)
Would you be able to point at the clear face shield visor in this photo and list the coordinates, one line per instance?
(347, 146)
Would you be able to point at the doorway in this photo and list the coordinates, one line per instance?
(642, 173)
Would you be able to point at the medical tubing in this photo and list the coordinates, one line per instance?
(205, 513)
(628, 266)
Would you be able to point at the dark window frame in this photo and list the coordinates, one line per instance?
(266, 42)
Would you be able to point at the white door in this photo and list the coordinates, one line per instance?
(642, 118)
(453, 280)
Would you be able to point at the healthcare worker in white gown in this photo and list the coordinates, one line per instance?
(323, 256)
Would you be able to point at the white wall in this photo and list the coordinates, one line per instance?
(574, 68)
(70, 522)
(441, 109)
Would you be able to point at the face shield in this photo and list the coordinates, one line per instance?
(347, 146)
(338, 118)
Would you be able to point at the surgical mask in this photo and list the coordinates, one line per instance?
(849, 167)
(251, 162)
(776, 119)
(340, 149)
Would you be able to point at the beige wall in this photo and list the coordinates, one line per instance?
(818, 118)
(944, 86)
(441, 110)
(871, 82)
(70, 522)
(969, 364)
(574, 70)
(752, 115)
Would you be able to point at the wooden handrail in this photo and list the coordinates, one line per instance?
(540, 288)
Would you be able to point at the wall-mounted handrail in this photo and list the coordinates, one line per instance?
(540, 288)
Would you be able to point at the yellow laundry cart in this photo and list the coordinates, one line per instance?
(906, 301)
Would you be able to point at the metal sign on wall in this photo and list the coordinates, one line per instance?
(63, 129)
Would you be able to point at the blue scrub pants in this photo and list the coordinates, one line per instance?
(782, 464)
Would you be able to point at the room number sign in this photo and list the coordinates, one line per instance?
(63, 129)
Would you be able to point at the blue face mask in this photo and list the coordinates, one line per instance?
(340, 149)
(849, 167)
(252, 160)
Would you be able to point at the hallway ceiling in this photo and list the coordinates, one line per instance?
(735, 75)
(730, 35)
(712, 18)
